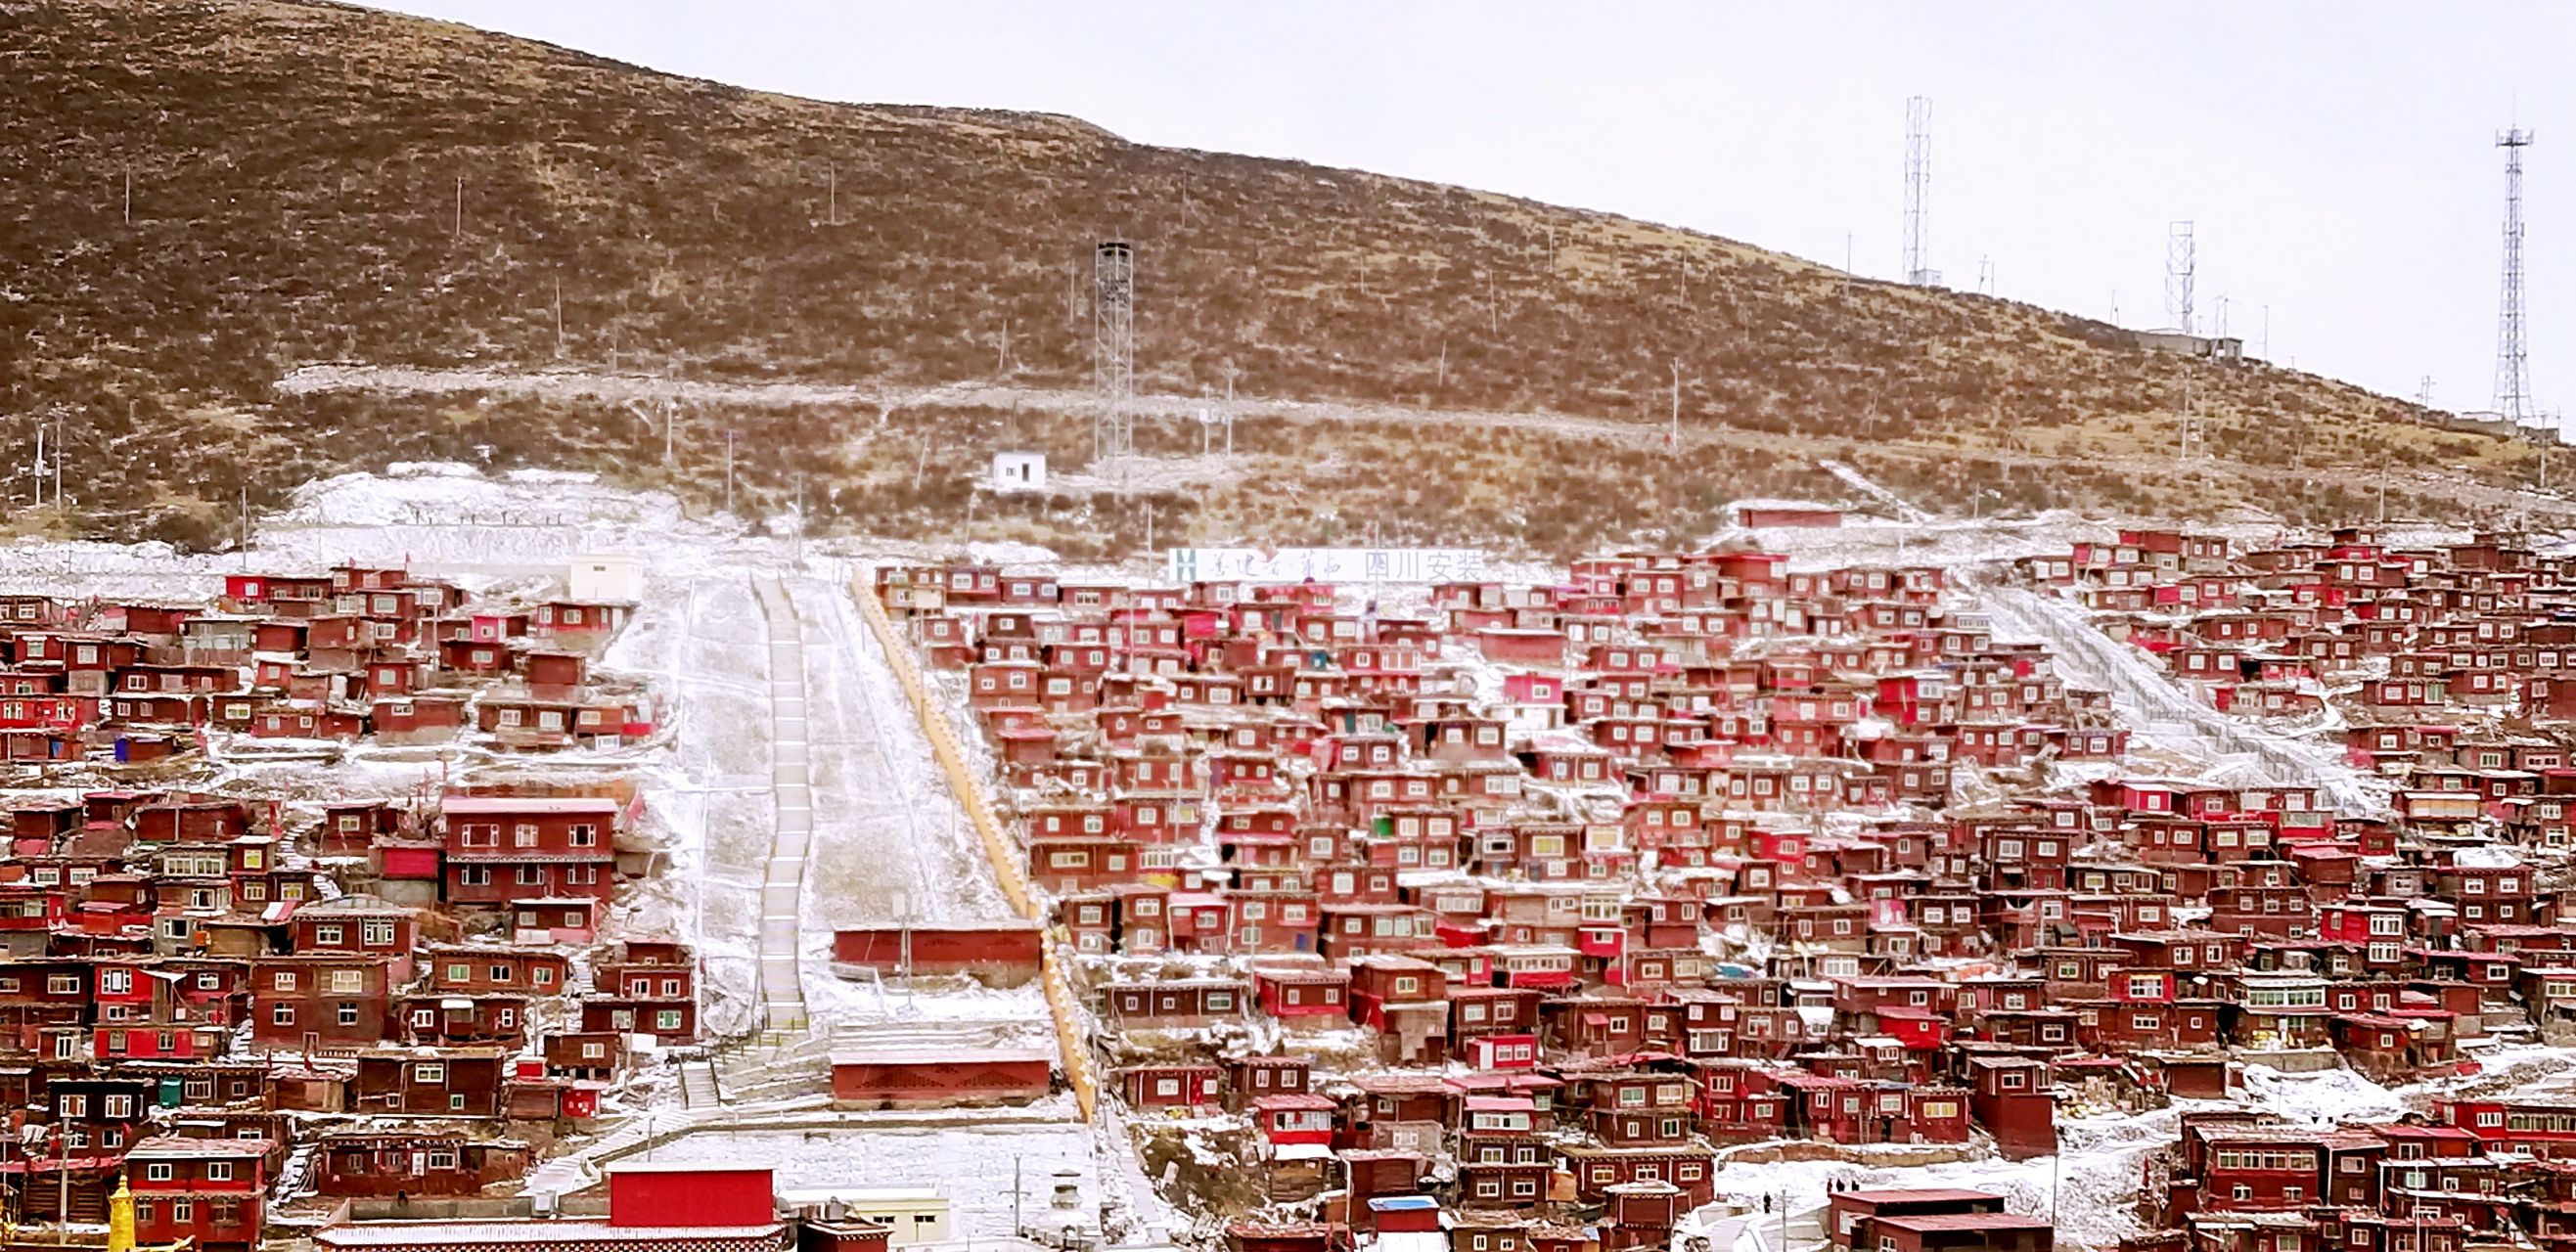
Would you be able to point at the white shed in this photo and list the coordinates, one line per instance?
(605, 578)
(1019, 471)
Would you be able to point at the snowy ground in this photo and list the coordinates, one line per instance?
(2090, 1188)
(2227, 748)
(891, 836)
(969, 1163)
(699, 639)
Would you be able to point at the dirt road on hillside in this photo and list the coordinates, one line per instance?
(618, 388)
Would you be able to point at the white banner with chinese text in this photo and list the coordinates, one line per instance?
(1326, 565)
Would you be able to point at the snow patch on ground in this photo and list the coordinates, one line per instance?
(2223, 747)
(971, 1164)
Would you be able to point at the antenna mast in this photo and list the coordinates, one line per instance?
(2180, 261)
(2513, 350)
(1918, 188)
(1113, 353)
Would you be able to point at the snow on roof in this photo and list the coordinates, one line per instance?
(174, 1147)
(936, 1056)
(2488, 857)
(817, 1195)
(467, 1234)
(677, 1167)
(528, 804)
(1910, 1195)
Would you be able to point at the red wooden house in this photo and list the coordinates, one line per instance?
(207, 1190)
(503, 849)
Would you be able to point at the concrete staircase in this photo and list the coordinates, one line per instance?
(698, 1086)
(782, 992)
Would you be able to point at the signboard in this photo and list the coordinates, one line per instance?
(1326, 565)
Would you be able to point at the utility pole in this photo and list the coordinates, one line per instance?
(1675, 438)
(729, 469)
(1149, 526)
(832, 181)
(244, 545)
(558, 315)
(129, 195)
(2183, 424)
(456, 229)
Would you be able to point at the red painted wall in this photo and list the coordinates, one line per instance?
(1000, 949)
(712, 1196)
(1008, 1077)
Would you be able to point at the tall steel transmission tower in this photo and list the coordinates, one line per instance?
(2513, 350)
(1918, 188)
(2182, 260)
(1113, 352)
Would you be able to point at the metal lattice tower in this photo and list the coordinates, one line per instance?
(2513, 349)
(1113, 352)
(1918, 188)
(2181, 259)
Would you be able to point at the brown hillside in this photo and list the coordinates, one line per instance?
(294, 172)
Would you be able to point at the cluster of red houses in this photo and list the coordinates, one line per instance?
(1694, 849)
(2480, 626)
(354, 653)
(224, 1003)
(2473, 1172)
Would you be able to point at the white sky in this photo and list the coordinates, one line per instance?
(2337, 158)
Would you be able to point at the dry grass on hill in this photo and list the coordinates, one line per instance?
(295, 171)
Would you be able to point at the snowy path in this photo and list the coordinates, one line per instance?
(698, 640)
(2166, 717)
(893, 837)
(782, 884)
(889, 839)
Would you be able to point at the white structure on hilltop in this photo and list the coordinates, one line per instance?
(1019, 471)
(605, 578)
